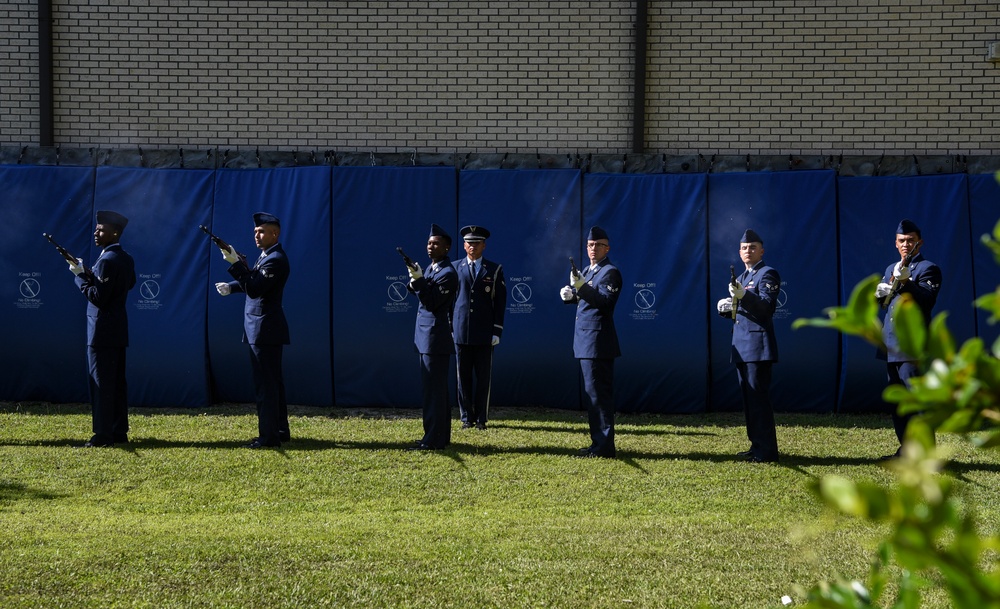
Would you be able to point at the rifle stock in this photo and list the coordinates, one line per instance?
(896, 284)
(572, 266)
(732, 282)
(406, 259)
(222, 245)
(70, 258)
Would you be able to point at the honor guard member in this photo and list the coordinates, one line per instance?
(106, 289)
(435, 288)
(754, 297)
(595, 291)
(921, 279)
(265, 329)
(478, 324)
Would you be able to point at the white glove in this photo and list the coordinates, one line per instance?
(415, 272)
(77, 268)
(902, 273)
(495, 341)
(566, 294)
(882, 290)
(725, 305)
(230, 255)
(223, 288)
(738, 292)
(575, 279)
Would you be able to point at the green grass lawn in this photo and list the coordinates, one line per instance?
(343, 517)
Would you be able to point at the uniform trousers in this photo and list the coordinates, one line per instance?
(900, 373)
(436, 407)
(474, 396)
(755, 384)
(269, 385)
(598, 383)
(108, 394)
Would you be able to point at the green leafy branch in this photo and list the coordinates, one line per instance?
(932, 531)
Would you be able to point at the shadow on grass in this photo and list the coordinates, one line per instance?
(12, 491)
(560, 426)
(515, 415)
(959, 470)
(457, 451)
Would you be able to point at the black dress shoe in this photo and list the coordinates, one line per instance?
(467, 425)
(480, 425)
(743, 454)
(95, 444)
(419, 446)
(752, 459)
(593, 455)
(583, 452)
(256, 443)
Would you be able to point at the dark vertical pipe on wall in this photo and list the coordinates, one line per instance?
(46, 112)
(639, 78)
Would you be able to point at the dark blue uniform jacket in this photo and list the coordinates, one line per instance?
(264, 320)
(595, 336)
(481, 302)
(923, 286)
(107, 320)
(753, 332)
(436, 292)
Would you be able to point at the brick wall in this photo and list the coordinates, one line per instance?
(724, 76)
(384, 76)
(18, 71)
(823, 76)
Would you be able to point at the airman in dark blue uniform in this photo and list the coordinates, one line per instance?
(477, 325)
(435, 288)
(265, 328)
(106, 289)
(921, 279)
(595, 291)
(755, 348)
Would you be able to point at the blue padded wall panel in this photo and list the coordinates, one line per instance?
(870, 211)
(795, 215)
(300, 198)
(534, 220)
(44, 319)
(661, 313)
(984, 204)
(166, 358)
(376, 210)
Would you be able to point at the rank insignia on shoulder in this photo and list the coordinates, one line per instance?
(612, 288)
(266, 273)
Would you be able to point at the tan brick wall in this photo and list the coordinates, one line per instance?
(823, 76)
(18, 71)
(724, 76)
(383, 76)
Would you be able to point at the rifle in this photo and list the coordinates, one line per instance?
(222, 245)
(572, 266)
(896, 284)
(70, 258)
(732, 282)
(407, 260)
